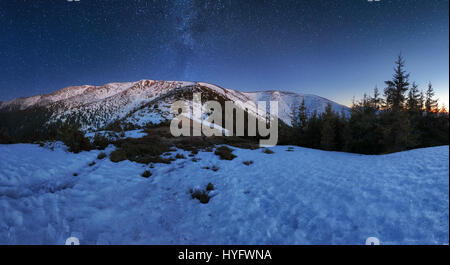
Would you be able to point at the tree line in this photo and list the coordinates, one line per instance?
(402, 118)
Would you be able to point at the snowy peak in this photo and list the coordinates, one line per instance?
(149, 101)
(289, 101)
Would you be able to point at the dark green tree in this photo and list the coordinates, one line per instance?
(312, 133)
(328, 131)
(362, 132)
(431, 104)
(413, 101)
(5, 138)
(302, 116)
(377, 101)
(299, 123)
(396, 88)
(421, 101)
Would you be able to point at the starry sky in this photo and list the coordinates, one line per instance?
(332, 48)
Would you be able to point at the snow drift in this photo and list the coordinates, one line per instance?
(302, 196)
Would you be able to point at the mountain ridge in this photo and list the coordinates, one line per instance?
(100, 105)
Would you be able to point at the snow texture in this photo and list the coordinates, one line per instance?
(301, 196)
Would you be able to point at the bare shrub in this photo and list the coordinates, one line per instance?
(225, 153)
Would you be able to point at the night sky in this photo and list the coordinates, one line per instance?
(334, 48)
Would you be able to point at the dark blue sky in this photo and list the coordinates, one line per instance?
(334, 48)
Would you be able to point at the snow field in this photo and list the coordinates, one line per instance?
(301, 197)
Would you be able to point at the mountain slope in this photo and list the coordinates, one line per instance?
(147, 101)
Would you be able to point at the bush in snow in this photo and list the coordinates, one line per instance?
(200, 195)
(74, 138)
(117, 156)
(193, 152)
(213, 168)
(208, 149)
(101, 155)
(180, 156)
(146, 174)
(100, 141)
(225, 153)
(267, 151)
(209, 187)
(143, 150)
(248, 163)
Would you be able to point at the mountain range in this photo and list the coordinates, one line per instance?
(148, 101)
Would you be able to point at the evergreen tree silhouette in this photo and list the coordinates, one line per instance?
(431, 104)
(413, 101)
(396, 88)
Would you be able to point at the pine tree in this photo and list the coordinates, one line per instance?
(421, 101)
(398, 131)
(413, 100)
(430, 103)
(396, 88)
(299, 124)
(302, 115)
(362, 130)
(366, 101)
(341, 129)
(328, 132)
(377, 101)
(313, 129)
(4, 136)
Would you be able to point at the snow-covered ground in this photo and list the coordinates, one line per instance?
(303, 196)
(116, 135)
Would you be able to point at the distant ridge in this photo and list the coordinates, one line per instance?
(147, 101)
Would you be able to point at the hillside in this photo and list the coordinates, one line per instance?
(147, 101)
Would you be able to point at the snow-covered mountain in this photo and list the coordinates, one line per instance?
(147, 101)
